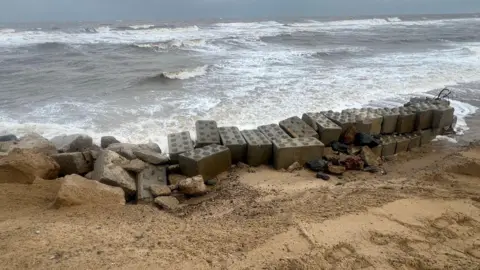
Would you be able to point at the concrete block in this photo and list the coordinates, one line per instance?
(378, 150)
(151, 175)
(179, 143)
(415, 140)
(344, 120)
(301, 150)
(389, 123)
(326, 128)
(259, 148)
(406, 120)
(442, 116)
(273, 131)
(424, 115)
(389, 144)
(233, 139)
(208, 161)
(297, 128)
(402, 143)
(426, 136)
(368, 121)
(207, 133)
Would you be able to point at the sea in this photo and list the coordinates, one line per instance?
(141, 80)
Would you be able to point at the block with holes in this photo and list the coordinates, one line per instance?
(424, 115)
(259, 148)
(297, 128)
(389, 144)
(390, 117)
(344, 120)
(368, 121)
(179, 143)
(207, 133)
(328, 131)
(273, 131)
(406, 120)
(151, 175)
(442, 116)
(291, 150)
(233, 139)
(208, 161)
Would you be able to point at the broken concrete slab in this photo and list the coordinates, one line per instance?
(108, 170)
(151, 175)
(151, 157)
(259, 148)
(134, 166)
(233, 139)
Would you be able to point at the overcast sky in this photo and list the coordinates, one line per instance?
(53, 10)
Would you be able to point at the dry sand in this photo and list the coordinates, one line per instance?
(424, 214)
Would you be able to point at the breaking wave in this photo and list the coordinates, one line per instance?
(171, 44)
(7, 31)
(183, 74)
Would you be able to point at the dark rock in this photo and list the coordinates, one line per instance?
(354, 163)
(323, 176)
(211, 182)
(174, 169)
(317, 165)
(124, 149)
(339, 147)
(349, 135)
(8, 138)
(364, 139)
(336, 170)
(72, 143)
(105, 141)
(74, 163)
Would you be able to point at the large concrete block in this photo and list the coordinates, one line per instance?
(179, 143)
(442, 116)
(208, 161)
(389, 144)
(415, 140)
(390, 117)
(301, 150)
(426, 136)
(328, 131)
(344, 120)
(406, 120)
(151, 175)
(273, 131)
(259, 148)
(207, 133)
(369, 122)
(233, 139)
(402, 143)
(424, 115)
(377, 150)
(297, 128)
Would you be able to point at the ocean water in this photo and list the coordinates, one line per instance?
(139, 81)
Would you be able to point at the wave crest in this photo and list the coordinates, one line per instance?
(172, 44)
(182, 74)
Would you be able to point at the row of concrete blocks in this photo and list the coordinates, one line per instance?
(401, 120)
(394, 144)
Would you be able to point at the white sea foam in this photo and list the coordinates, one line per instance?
(142, 26)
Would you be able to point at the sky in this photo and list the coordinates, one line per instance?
(94, 10)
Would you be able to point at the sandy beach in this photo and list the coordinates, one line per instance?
(423, 214)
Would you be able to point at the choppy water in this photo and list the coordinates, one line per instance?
(141, 81)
